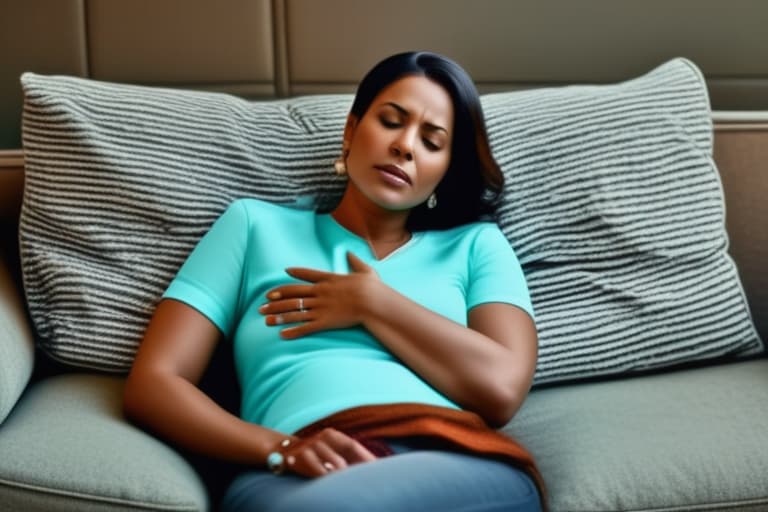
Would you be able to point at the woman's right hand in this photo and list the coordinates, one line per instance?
(324, 452)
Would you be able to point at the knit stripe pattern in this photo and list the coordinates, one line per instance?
(612, 203)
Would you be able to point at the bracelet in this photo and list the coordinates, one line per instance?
(275, 460)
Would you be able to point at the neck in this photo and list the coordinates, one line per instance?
(384, 230)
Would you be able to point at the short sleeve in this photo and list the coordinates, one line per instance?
(495, 274)
(211, 278)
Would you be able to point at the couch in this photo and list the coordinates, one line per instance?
(665, 434)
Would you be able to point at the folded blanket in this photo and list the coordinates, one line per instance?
(461, 430)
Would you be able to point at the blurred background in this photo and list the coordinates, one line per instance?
(277, 48)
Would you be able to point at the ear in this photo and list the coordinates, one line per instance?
(349, 128)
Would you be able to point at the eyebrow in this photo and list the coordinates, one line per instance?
(403, 111)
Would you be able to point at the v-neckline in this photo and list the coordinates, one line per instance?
(330, 220)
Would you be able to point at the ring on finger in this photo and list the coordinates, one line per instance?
(301, 305)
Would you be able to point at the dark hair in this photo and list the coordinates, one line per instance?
(472, 185)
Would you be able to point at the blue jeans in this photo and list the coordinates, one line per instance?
(414, 479)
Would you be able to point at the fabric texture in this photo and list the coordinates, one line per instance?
(122, 181)
(616, 211)
(612, 204)
(67, 447)
(17, 355)
(691, 440)
(462, 430)
(286, 386)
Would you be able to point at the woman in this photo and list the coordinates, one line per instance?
(369, 342)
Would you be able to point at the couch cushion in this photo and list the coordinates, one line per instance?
(67, 447)
(686, 440)
(613, 205)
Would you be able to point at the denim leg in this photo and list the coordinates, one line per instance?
(411, 480)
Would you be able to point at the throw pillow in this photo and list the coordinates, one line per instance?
(121, 182)
(616, 210)
(612, 203)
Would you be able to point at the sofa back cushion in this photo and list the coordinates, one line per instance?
(612, 203)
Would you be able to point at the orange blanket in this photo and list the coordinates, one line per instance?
(461, 430)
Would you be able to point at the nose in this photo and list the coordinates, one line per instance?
(402, 147)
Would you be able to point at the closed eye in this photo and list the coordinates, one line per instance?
(389, 123)
(392, 124)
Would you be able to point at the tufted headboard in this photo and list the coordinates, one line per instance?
(265, 48)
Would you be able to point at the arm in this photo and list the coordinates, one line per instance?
(161, 391)
(486, 367)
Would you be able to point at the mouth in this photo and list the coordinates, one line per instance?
(396, 172)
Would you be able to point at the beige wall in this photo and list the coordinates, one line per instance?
(259, 48)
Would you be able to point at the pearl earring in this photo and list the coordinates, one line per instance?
(432, 201)
(340, 165)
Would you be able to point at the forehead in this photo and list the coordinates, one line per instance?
(420, 96)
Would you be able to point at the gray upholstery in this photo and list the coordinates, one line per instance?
(673, 441)
(67, 448)
(601, 446)
(16, 346)
(682, 440)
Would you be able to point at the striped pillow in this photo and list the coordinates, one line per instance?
(615, 208)
(613, 205)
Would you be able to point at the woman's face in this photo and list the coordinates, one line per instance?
(401, 148)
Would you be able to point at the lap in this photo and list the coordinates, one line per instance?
(413, 479)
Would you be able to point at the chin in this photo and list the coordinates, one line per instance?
(395, 206)
(391, 204)
(389, 200)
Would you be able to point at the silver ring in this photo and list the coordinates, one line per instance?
(328, 466)
(301, 305)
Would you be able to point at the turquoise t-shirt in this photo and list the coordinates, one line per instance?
(287, 385)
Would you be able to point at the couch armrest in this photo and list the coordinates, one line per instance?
(16, 343)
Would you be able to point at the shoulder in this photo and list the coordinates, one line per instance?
(250, 204)
(470, 243)
(251, 209)
(472, 233)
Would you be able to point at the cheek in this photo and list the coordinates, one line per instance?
(363, 143)
(436, 165)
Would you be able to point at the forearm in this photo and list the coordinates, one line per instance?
(472, 369)
(486, 367)
(180, 412)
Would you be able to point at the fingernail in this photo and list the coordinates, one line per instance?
(263, 308)
(273, 295)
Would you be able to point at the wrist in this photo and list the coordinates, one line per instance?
(258, 442)
(276, 458)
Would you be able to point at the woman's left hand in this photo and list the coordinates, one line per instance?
(329, 301)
